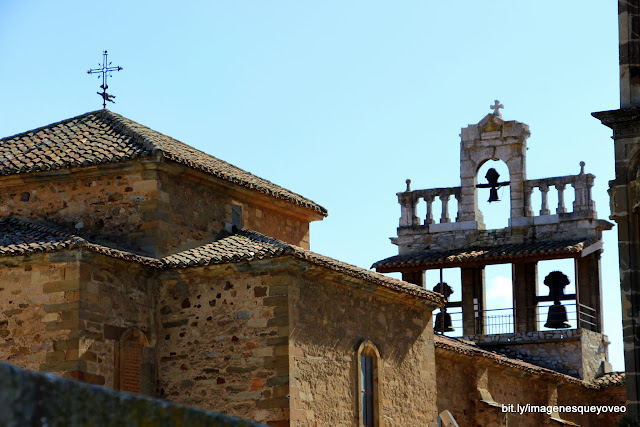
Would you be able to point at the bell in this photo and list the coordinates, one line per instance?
(557, 318)
(492, 177)
(443, 323)
(493, 195)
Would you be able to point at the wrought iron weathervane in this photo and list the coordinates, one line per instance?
(105, 70)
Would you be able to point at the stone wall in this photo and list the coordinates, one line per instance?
(474, 389)
(115, 295)
(575, 352)
(195, 208)
(147, 206)
(65, 312)
(417, 238)
(329, 320)
(28, 398)
(223, 340)
(35, 302)
(99, 203)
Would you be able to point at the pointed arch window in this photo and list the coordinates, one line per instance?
(369, 379)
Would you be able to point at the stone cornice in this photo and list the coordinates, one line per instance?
(625, 122)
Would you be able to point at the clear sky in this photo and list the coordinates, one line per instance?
(338, 101)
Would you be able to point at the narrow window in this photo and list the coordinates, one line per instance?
(366, 382)
(369, 380)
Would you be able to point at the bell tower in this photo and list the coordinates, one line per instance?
(554, 329)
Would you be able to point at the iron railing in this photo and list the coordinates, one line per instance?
(503, 320)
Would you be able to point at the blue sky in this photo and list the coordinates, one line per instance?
(338, 101)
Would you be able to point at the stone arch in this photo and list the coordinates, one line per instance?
(492, 139)
(130, 362)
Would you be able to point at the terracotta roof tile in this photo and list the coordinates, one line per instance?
(429, 258)
(249, 245)
(468, 349)
(102, 137)
(610, 379)
(19, 237)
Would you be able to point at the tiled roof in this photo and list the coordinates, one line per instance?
(19, 237)
(610, 379)
(102, 137)
(461, 347)
(250, 245)
(489, 254)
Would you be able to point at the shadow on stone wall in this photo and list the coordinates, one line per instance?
(35, 399)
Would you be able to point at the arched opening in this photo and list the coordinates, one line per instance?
(495, 214)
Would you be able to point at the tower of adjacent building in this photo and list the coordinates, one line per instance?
(624, 191)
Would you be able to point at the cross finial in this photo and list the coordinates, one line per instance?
(496, 108)
(105, 70)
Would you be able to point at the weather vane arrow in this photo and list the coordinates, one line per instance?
(105, 69)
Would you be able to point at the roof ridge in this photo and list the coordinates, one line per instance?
(256, 235)
(124, 124)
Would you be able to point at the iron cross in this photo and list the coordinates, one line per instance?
(496, 108)
(105, 70)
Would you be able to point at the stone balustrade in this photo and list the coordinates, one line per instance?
(581, 183)
(522, 212)
(409, 201)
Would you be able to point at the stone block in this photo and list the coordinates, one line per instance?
(275, 301)
(61, 286)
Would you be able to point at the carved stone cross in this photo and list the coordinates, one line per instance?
(496, 108)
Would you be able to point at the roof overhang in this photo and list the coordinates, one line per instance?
(489, 255)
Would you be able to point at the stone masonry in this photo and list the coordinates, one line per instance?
(623, 191)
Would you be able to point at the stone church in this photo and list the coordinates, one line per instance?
(131, 260)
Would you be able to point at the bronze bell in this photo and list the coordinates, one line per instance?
(557, 317)
(493, 195)
(443, 319)
(443, 322)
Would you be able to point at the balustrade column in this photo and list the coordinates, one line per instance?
(561, 209)
(544, 190)
(445, 209)
(429, 219)
(528, 210)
